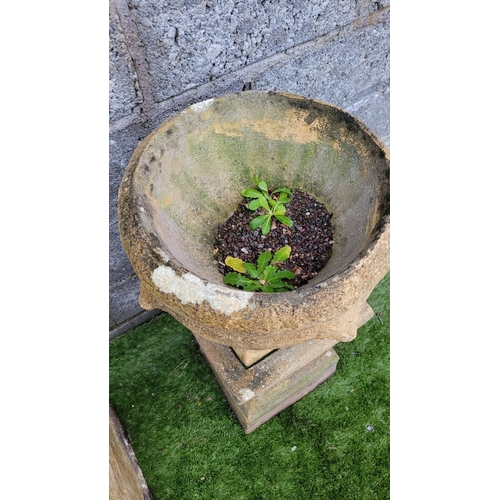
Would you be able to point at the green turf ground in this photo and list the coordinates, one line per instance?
(190, 445)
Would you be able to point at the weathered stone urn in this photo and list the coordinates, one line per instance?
(266, 349)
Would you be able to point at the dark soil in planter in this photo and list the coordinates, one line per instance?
(311, 237)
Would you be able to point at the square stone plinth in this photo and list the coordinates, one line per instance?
(259, 392)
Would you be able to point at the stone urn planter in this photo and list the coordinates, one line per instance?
(266, 349)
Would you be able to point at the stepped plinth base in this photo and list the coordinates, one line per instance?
(259, 392)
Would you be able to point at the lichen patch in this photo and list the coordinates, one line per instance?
(190, 289)
(246, 394)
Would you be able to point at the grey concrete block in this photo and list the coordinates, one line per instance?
(340, 73)
(120, 268)
(188, 43)
(132, 322)
(378, 4)
(374, 111)
(122, 144)
(124, 93)
(124, 302)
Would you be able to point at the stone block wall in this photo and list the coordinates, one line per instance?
(166, 55)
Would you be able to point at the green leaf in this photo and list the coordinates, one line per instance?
(252, 287)
(269, 272)
(282, 190)
(262, 261)
(264, 203)
(266, 227)
(236, 279)
(279, 209)
(262, 200)
(284, 274)
(282, 254)
(236, 264)
(251, 270)
(284, 220)
(254, 204)
(284, 287)
(251, 193)
(267, 288)
(258, 221)
(262, 186)
(283, 199)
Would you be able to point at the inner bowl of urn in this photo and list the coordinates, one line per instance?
(186, 178)
(190, 174)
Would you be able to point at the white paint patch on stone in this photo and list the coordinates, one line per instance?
(246, 394)
(202, 106)
(328, 354)
(190, 289)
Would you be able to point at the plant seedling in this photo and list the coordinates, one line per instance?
(265, 277)
(272, 204)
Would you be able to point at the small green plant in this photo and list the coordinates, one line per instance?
(273, 205)
(265, 277)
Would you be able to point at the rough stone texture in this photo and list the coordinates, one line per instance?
(258, 393)
(123, 302)
(121, 146)
(373, 110)
(352, 70)
(349, 67)
(191, 43)
(124, 93)
(340, 47)
(120, 267)
(170, 206)
(374, 5)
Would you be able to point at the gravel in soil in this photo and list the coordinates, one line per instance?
(311, 237)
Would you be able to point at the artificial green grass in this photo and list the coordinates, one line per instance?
(190, 445)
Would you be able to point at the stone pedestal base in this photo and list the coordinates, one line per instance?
(259, 392)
